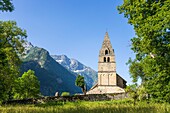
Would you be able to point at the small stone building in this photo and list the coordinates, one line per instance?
(109, 81)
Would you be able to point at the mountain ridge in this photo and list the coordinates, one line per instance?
(77, 67)
(52, 76)
(56, 73)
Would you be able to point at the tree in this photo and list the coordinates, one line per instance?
(132, 92)
(6, 5)
(27, 86)
(142, 94)
(151, 45)
(81, 83)
(11, 39)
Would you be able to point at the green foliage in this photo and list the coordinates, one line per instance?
(81, 83)
(65, 94)
(27, 86)
(132, 92)
(151, 45)
(6, 5)
(11, 39)
(142, 94)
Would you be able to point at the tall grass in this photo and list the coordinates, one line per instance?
(120, 106)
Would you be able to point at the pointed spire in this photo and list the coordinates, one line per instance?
(106, 33)
(106, 36)
(106, 45)
(106, 41)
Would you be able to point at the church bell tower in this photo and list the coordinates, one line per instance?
(109, 82)
(107, 64)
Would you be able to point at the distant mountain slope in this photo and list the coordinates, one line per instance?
(78, 68)
(52, 76)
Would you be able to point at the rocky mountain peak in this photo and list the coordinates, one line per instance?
(76, 67)
(27, 45)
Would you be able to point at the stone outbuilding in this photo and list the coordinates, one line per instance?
(109, 82)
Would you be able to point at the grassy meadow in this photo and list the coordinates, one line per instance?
(119, 106)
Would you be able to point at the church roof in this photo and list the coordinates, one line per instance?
(121, 77)
(94, 86)
(106, 40)
(106, 45)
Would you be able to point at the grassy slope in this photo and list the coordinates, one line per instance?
(88, 107)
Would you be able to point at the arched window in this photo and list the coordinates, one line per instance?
(104, 59)
(108, 59)
(106, 52)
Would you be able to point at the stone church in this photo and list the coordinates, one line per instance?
(109, 81)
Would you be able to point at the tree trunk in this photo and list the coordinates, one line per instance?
(84, 91)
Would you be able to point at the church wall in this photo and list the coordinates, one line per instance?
(112, 58)
(99, 78)
(112, 79)
(103, 79)
(107, 79)
(120, 82)
(106, 90)
(107, 67)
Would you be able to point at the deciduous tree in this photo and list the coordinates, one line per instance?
(81, 83)
(27, 86)
(6, 5)
(151, 21)
(11, 39)
(132, 92)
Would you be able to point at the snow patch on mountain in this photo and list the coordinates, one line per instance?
(76, 67)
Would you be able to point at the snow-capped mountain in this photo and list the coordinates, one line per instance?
(53, 77)
(76, 67)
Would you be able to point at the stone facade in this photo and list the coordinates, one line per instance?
(108, 80)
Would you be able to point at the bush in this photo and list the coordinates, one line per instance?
(65, 94)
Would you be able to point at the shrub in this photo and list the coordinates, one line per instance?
(65, 94)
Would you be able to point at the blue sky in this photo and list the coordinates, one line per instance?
(75, 28)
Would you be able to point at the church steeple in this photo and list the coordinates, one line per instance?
(106, 46)
(109, 82)
(106, 64)
(106, 41)
(106, 36)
